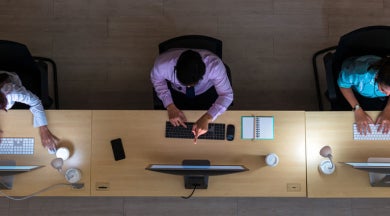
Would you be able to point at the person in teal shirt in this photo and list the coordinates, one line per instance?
(361, 79)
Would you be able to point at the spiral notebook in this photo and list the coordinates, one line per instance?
(257, 127)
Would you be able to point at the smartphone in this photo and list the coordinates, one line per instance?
(117, 148)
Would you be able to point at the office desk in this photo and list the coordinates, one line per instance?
(335, 129)
(143, 137)
(74, 130)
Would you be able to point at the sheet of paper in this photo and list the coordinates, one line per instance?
(248, 127)
(265, 127)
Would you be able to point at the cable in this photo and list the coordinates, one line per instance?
(75, 185)
(331, 161)
(187, 197)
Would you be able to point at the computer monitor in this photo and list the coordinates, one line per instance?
(375, 167)
(378, 170)
(8, 169)
(196, 172)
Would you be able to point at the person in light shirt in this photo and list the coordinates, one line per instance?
(192, 80)
(364, 81)
(11, 91)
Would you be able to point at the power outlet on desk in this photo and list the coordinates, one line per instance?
(293, 187)
(102, 186)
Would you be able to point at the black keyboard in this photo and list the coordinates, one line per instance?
(216, 131)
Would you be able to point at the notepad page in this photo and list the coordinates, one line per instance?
(264, 127)
(248, 127)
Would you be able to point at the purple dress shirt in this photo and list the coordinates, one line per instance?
(215, 75)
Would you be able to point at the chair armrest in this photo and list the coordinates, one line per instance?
(45, 98)
(157, 103)
(229, 74)
(43, 63)
(330, 77)
(316, 77)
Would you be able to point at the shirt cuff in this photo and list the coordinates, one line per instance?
(213, 112)
(167, 101)
(38, 122)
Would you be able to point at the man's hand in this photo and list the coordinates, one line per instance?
(201, 126)
(47, 138)
(362, 120)
(384, 121)
(176, 116)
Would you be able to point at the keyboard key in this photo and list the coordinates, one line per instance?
(17, 145)
(374, 135)
(216, 131)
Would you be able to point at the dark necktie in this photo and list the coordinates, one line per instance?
(190, 92)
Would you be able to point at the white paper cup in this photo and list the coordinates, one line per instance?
(73, 175)
(63, 153)
(272, 159)
(326, 167)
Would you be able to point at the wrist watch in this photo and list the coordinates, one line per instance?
(356, 107)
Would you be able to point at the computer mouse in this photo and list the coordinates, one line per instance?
(230, 132)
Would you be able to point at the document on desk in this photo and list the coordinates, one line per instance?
(257, 127)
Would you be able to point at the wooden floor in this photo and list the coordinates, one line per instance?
(172, 206)
(104, 50)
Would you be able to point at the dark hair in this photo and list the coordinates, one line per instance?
(3, 99)
(190, 67)
(383, 68)
(3, 77)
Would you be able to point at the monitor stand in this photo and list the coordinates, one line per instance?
(200, 181)
(6, 182)
(379, 179)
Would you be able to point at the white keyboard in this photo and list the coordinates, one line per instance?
(374, 135)
(17, 145)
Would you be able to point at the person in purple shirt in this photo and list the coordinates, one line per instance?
(192, 80)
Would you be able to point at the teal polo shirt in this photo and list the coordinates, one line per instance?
(355, 74)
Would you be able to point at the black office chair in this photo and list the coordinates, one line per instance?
(371, 40)
(33, 72)
(192, 42)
